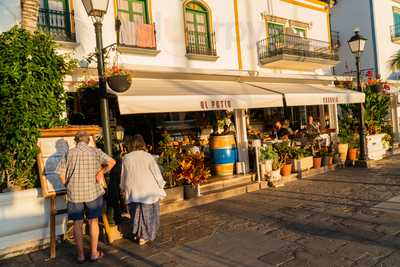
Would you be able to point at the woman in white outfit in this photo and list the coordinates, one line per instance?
(143, 186)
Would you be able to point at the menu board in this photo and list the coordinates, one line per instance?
(51, 150)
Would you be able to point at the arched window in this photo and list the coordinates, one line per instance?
(199, 38)
(133, 10)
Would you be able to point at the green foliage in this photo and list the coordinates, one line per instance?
(169, 160)
(377, 108)
(32, 96)
(299, 153)
(284, 151)
(268, 153)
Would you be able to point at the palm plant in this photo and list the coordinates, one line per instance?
(394, 61)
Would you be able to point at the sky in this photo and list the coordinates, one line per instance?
(10, 14)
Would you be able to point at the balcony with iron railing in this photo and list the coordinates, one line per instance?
(335, 40)
(201, 45)
(136, 37)
(286, 51)
(57, 23)
(395, 33)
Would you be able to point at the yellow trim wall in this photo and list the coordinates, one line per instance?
(237, 29)
(313, 7)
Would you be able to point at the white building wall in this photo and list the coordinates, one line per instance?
(350, 14)
(168, 18)
(253, 27)
(383, 10)
(346, 16)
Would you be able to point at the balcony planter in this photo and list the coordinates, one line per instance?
(25, 220)
(376, 148)
(191, 191)
(119, 83)
(302, 164)
(274, 176)
(174, 194)
(317, 162)
(265, 168)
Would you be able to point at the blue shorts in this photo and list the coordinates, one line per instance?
(92, 209)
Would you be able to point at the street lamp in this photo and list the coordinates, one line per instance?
(96, 9)
(357, 46)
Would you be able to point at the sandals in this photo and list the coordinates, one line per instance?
(100, 255)
(142, 242)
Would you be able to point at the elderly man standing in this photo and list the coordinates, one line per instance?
(82, 172)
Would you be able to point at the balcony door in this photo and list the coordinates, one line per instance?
(197, 26)
(275, 33)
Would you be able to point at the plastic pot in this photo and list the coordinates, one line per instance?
(119, 83)
(317, 162)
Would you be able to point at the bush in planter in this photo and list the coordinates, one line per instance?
(169, 160)
(285, 153)
(302, 159)
(32, 96)
(267, 155)
(192, 169)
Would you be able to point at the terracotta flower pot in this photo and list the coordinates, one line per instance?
(317, 162)
(352, 155)
(330, 161)
(286, 170)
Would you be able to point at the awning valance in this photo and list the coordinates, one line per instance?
(164, 95)
(298, 94)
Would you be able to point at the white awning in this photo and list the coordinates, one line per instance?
(164, 95)
(298, 94)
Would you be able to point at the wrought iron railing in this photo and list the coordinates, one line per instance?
(138, 35)
(395, 32)
(57, 23)
(199, 43)
(335, 40)
(285, 44)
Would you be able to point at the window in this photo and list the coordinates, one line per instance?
(133, 10)
(198, 36)
(54, 17)
(396, 20)
(275, 29)
(300, 32)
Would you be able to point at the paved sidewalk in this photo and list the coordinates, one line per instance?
(327, 220)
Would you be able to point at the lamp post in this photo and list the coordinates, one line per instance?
(357, 46)
(96, 9)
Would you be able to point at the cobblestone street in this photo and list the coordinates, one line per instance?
(327, 220)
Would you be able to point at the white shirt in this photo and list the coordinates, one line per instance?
(141, 178)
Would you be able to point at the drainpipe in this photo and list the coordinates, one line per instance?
(374, 44)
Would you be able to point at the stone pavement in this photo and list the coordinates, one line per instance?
(327, 220)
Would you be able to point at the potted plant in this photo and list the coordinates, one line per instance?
(118, 79)
(223, 145)
(317, 159)
(326, 158)
(353, 150)
(284, 152)
(274, 176)
(267, 155)
(302, 160)
(169, 161)
(193, 172)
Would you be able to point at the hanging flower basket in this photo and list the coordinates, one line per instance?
(118, 79)
(119, 83)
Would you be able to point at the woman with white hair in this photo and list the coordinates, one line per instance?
(143, 186)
